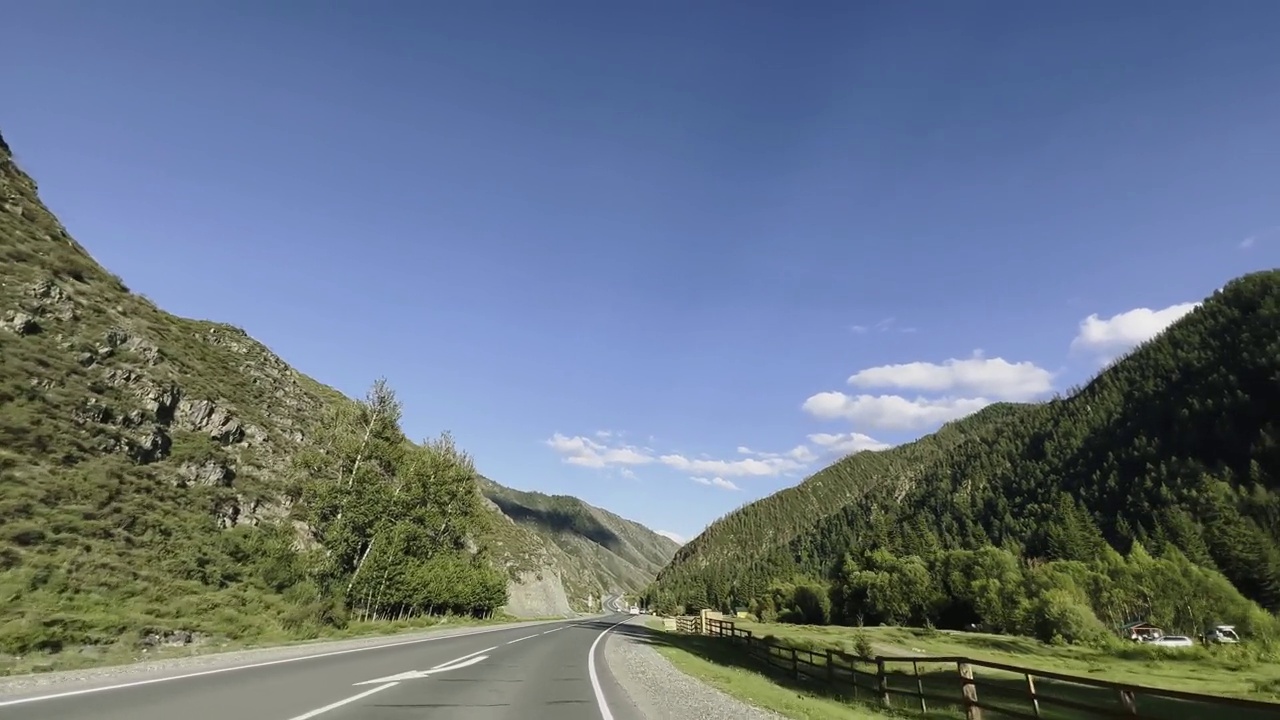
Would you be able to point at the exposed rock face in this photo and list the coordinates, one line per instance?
(204, 416)
(21, 323)
(536, 594)
(209, 472)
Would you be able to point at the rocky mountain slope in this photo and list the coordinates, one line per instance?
(1176, 447)
(140, 453)
(602, 551)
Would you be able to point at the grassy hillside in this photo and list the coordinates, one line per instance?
(1174, 447)
(162, 475)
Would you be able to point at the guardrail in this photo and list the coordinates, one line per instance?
(940, 683)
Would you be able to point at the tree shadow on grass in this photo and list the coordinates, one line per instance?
(997, 690)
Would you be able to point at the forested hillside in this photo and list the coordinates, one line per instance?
(167, 477)
(1171, 450)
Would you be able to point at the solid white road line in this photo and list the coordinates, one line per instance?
(340, 703)
(233, 668)
(595, 677)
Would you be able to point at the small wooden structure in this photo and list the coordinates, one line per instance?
(1140, 631)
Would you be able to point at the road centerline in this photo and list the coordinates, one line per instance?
(340, 703)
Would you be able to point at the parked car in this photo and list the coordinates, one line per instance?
(1172, 641)
(1222, 634)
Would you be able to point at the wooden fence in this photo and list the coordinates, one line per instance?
(948, 683)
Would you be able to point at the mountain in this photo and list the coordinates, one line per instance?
(159, 473)
(606, 553)
(1174, 448)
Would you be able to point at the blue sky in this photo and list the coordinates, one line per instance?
(615, 246)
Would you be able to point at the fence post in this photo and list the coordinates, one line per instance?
(915, 667)
(795, 664)
(1031, 692)
(969, 691)
(882, 681)
(831, 669)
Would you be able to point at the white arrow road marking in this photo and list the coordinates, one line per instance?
(340, 703)
(464, 657)
(416, 674)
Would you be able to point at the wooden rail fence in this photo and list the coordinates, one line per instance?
(949, 683)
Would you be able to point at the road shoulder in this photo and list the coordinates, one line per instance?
(660, 690)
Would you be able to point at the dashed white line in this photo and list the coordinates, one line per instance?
(551, 631)
(595, 677)
(526, 637)
(464, 657)
(340, 703)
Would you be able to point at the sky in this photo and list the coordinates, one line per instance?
(668, 257)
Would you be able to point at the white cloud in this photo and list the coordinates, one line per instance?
(1253, 239)
(1124, 331)
(754, 466)
(846, 443)
(589, 453)
(676, 537)
(994, 377)
(884, 325)
(891, 412)
(716, 482)
(586, 452)
(799, 453)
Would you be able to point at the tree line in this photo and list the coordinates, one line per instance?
(385, 528)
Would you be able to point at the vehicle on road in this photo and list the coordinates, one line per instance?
(634, 610)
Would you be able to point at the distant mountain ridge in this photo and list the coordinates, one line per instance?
(610, 554)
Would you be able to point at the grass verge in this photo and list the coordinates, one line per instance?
(1222, 670)
(721, 666)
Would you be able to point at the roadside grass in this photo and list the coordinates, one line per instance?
(127, 652)
(727, 669)
(1220, 670)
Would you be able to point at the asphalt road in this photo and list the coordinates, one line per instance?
(552, 670)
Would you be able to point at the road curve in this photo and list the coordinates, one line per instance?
(553, 670)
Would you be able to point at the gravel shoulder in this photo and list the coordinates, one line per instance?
(660, 690)
(68, 680)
